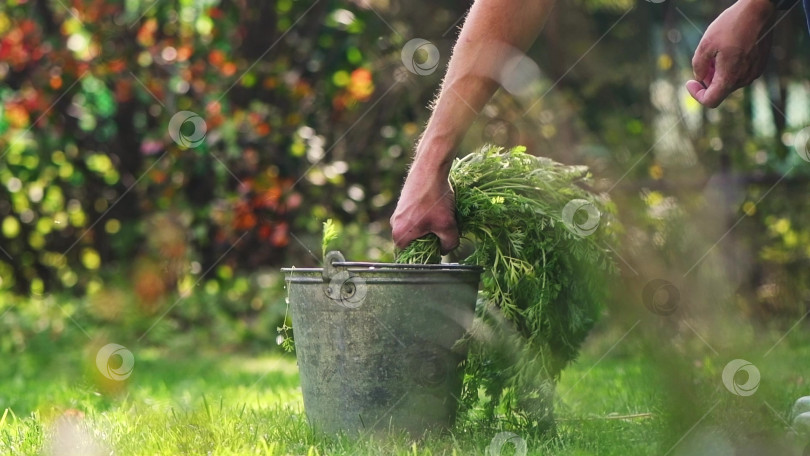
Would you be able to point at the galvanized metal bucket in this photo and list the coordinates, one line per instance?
(377, 343)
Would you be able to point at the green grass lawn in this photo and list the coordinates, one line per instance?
(618, 399)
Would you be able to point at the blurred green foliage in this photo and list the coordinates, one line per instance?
(310, 114)
(99, 205)
(91, 175)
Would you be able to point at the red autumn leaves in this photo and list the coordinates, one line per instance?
(264, 206)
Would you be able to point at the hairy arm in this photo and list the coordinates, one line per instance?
(492, 31)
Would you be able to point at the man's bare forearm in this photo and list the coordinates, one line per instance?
(491, 29)
(496, 31)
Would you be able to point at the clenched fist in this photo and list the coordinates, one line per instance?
(426, 205)
(733, 52)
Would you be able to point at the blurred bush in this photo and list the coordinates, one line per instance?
(102, 208)
(309, 114)
(91, 174)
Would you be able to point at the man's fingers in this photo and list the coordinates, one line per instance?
(696, 89)
(403, 237)
(448, 236)
(712, 96)
(702, 63)
(718, 81)
(715, 94)
(431, 210)
(703, 66)
(449, 240)
(726, 72)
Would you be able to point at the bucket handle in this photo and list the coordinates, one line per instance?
(343, 288)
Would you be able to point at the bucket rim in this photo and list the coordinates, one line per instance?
(392, 266)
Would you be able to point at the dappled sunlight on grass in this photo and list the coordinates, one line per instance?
(617, 401)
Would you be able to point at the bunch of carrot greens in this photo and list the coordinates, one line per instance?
(544, 284)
